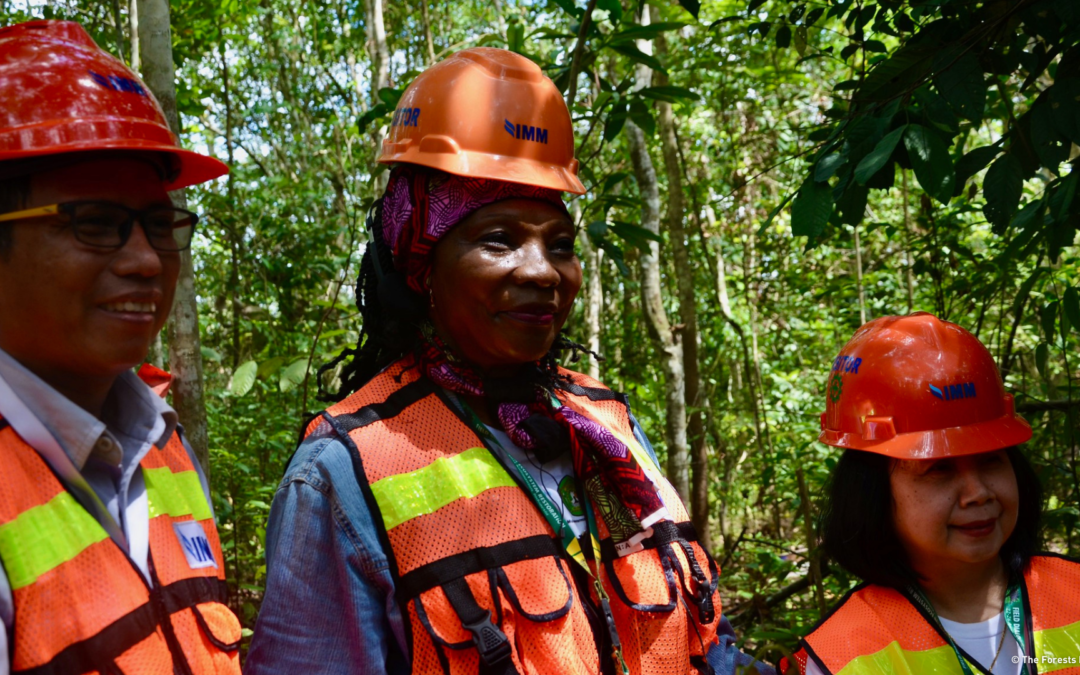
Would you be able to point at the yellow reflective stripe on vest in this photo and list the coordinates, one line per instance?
(1058, 648)
(45, 537)
(175, 494)
(897, 661)
(409, 495)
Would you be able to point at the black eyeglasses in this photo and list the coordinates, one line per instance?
(108, 224)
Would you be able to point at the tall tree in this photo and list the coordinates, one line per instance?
(185, 351)
(660, 328)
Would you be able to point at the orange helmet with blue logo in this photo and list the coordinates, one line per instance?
(917, 387)
(486, 113)
(64, 94)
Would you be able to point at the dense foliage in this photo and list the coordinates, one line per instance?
(818, 164)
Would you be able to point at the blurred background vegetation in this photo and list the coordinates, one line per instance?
(763, 177)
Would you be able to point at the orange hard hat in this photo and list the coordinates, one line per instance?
(64, 94)
(486, 113)
(917, 387)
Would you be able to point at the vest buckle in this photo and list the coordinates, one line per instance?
(491, 643)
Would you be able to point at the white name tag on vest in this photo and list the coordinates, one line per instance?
(195, 544)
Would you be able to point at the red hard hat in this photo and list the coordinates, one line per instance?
(486, 113)
(62, 93)
(917, 387)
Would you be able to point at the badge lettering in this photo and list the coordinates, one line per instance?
(196, 546)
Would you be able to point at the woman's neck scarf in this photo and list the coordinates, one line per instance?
(613, 480)
(420, 206)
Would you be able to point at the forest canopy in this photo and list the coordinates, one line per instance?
(763, 177)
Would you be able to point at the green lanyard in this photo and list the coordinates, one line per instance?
(1013, 616)
(558, 523)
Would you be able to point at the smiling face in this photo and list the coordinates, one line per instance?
(503, 282)
(69, 311)
(950, 512)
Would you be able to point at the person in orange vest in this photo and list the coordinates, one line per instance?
(468, 505)
(110, 556)
(934, 505)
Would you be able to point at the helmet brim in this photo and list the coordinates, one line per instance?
(192, 167)
(971, 439)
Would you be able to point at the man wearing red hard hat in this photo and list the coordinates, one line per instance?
(111, 559)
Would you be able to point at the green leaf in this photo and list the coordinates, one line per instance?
(570, 8)
(209, 354)
(1042, 354)
(293, 376)
(639, 112)
(811, 209)
(1071, 304)
(852, 204)
(638, 56)
(800, 40)
(875, 46)
(390, 96)
(813, 15)
(669, 94)
(649, 32)
(1065, 108)
(907, 65)
(243, 379)
(692, 6)
(1003, 187)
(270, 366)
(1051, 147)
(616, 255)
(827, 166)
(879, 156)
(931, 161)
(612, 7)
(635, 235)
(962, 84)
(974, 162)
(597, 230)
(754, 4)
(615, 121)
(774, 212)
(515, 36)
(783, 37)
(1048, 318)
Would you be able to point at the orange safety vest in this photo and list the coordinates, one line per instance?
(81, 604)
(480, 575)
(877, 630)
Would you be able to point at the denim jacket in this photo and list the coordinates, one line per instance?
(329, 605)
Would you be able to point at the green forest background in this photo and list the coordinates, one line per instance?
(763, 177)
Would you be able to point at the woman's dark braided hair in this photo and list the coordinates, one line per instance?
(391, 318)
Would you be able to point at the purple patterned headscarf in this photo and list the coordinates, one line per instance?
(421, 205)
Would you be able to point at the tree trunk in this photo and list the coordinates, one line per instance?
(594, 293)
(660, 329)
(133, 34)
(858, 275)
(185, 353)
(684, 275)
(425, 17)
(380, 73)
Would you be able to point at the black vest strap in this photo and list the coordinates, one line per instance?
(98, 651)
(440, 572)
(491, 643)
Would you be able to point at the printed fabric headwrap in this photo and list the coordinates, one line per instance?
(421, 205)
(615, 483)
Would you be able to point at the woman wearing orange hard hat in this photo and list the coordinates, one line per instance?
(468, 505)
(109, 556)
(935, 507)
